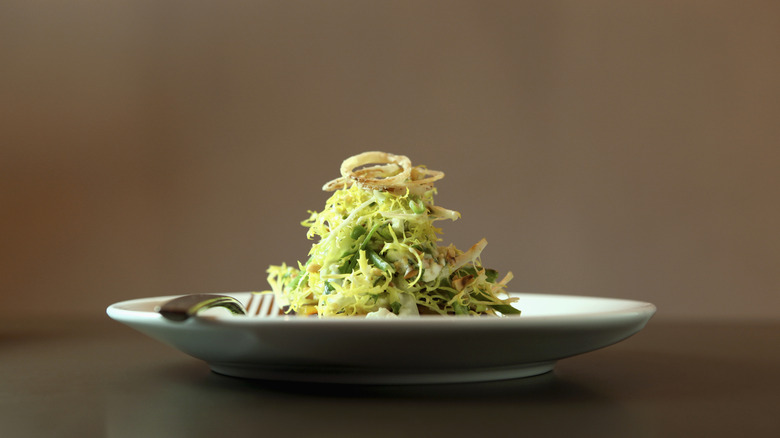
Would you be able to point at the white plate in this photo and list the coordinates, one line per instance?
(431, 349)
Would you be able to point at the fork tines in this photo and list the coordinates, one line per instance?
(264, 305)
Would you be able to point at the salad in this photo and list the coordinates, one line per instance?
(378, 254)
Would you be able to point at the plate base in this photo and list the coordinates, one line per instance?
(363, 376)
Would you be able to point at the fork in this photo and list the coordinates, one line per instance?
(184, 307)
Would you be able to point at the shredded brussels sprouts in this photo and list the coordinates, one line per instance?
(377, 252)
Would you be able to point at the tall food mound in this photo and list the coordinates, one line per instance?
(377, 252)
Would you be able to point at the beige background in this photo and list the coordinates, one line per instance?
(623, 149)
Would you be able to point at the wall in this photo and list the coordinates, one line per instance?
(623, 149)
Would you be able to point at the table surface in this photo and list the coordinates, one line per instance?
(80, 377)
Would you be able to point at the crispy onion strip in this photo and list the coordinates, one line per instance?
(371, 172)
(376, 157)
(422, 180)
(388, 172)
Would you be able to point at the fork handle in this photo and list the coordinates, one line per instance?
(182, 308)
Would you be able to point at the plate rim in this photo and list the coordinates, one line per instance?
(632, 308)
